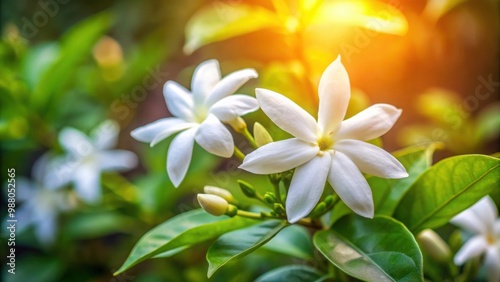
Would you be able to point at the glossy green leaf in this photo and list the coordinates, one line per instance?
(373, 15)
(388, 192)
(222, 21)
(76, 45)
(378, 249)
(241, 242)
(446, 189)
(182, 231)
(291, 273)
(293, 240)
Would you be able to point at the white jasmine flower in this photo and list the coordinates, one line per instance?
(326, 149)
(40, 205)
(199, 114)
(482, 220)
(86, 158)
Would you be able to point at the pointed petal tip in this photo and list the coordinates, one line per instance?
(292, 219)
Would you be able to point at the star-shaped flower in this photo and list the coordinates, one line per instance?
(40, 204)
(200, 115)
(328, 149)
(86, 158)
(482, 220)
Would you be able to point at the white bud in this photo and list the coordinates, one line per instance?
(434, 245)
(213, 204)
(262, 137)
(223, 193)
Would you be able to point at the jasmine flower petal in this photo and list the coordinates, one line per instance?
(205, 77)
(178, 99)
(229, 84)
(105, 135)
(369, 124)
(492, 263)
(75, 142)
(288, 115)
(371, 159)
(179, 155)
(334, 92)
(87, 181)
(306, 187)
(350, 185)
(234, 106)
(472, 248)
(279, 156)
(117, 160)
(167, 132)
(215, 138)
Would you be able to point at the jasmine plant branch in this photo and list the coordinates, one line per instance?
(249, 137)
(239, 154)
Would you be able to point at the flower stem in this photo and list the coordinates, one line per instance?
(249, 137)
(239, 154)
(249, 214)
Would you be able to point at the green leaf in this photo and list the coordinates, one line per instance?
(446, 189)
(378, 249)
(294, 241)
(291, 273)
(387, 193)
(76, 45)
(240, 243)
(182, 231)
(222, 21)
(97, 224)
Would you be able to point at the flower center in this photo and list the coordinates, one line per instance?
(325, 142)
(490, 239)
(200, 114)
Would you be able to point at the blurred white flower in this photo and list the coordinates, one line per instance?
(328, 148)
(86, 158)
(40, 205)
(482, 220)
(199, 114)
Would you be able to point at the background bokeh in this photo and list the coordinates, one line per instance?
(77, 63)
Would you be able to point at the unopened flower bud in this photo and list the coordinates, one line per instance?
(261, 135)
(270, 198)
(213, 204)
(434, 245)
(278, 208)
(223, 193)
(247, 189)
(238, 124)
(318, 210)
(328, 200)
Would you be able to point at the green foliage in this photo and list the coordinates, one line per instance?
(378, 249)
(77, 41)
(291, 273)
(294, 240)
(239, 243)
(182, 231)
(446, 189)
(222, 21)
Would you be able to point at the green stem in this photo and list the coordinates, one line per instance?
(249, 137)
(239, 154)
(249, 214)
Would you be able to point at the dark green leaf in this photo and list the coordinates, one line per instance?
(182, 231)
(76, 45)
(240, 243)
(446, 189)
(290, 273)
(379, 249)
(294, 240)
(388, 192)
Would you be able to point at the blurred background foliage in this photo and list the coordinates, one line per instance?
(76, 63)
